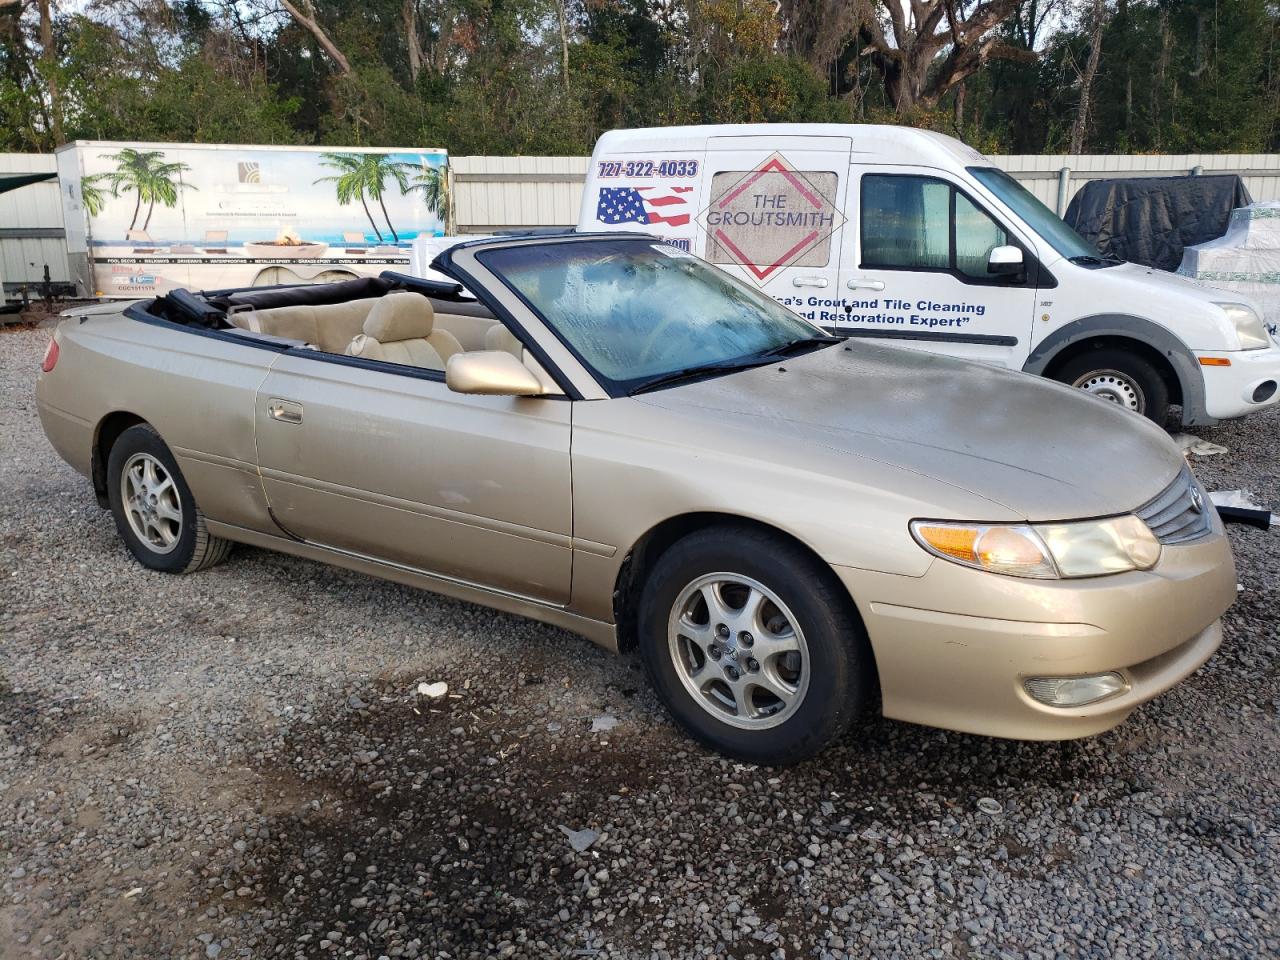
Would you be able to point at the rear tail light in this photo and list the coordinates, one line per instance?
(50, 355)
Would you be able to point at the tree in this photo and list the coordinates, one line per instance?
(1087, 77)
(931, 45)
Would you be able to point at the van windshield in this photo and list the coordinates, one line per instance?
(1037, 216)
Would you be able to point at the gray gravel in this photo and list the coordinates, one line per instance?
(239, 764)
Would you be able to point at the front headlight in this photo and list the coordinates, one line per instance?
(1047, 551)
(1249, 327)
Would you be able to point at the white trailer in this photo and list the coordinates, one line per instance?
(146, 218)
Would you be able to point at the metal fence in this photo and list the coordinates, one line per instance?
(511, 193)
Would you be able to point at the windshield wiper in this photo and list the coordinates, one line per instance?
(794, 346)
(1089, 260)
(725, 366)
(694, 372)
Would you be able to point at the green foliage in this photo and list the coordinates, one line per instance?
(1175, 75)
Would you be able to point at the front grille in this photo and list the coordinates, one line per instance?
(1180, 513)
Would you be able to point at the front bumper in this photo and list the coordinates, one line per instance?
(954, 647)
(1229, 391)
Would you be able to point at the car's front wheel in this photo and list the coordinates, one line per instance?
(753, 646)
(154, 510)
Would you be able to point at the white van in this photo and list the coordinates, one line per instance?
(908, 235)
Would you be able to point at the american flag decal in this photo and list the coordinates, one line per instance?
(666, 205)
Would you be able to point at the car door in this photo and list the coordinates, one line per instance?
(386, 462)
(915, 269)
(773, 213)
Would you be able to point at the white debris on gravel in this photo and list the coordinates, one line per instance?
(256, 807)
(580, 840)
(433, 690)
(1190, 444)
(603, 723)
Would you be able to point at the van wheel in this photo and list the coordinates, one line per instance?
(1121, 377)
(753, 647)
(153, 508)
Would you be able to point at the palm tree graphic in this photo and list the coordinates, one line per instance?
(363, 176)
(93, 196)
(146, 174)
(348, 182)
(433, 184)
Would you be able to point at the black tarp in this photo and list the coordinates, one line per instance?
(1149, 220)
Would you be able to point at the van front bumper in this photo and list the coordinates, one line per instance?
(955, 647)
(1250, 383)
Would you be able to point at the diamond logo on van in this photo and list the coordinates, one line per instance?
(772, 217)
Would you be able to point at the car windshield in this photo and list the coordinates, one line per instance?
(639, 311)
(1036, 215)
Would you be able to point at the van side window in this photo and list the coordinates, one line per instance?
(922, 223)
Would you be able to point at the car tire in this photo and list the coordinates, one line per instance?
(1120, 376)
(154, 510)
(789, 703)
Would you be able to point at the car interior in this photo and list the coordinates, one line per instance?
(391, 318)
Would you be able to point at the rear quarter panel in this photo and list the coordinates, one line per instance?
(197, 391)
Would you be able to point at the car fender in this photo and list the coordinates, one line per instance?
(1127, 326)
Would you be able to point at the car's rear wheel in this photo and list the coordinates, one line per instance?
(154, 510)
(1120, 376)
(753, 646)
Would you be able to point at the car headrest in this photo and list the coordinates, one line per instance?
(400, 316)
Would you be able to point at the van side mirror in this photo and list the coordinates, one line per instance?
(493, 373)
(1005, 261)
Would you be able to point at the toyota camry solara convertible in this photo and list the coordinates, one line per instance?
(618, 438)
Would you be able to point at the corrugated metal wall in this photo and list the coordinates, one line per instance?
(1040, 174)
(31, 224)
(501, 193)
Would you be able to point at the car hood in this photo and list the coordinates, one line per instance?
(1039, 449)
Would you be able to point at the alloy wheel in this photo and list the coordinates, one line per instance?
(151, 502)
(738, 651)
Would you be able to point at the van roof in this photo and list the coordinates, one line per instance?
(873, 143)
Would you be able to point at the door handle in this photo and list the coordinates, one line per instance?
(808, 281)
(865, 283)
(286, 411)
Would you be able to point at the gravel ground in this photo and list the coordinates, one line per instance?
(238, 764)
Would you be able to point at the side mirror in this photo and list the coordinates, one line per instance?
(1005, 261)
(493, 373)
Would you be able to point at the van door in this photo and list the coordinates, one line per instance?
(773, 214)
(914, 268)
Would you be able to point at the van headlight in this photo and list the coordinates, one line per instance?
(1249, 327)
(1043, 551)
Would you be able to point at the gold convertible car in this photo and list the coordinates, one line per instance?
(608, 434)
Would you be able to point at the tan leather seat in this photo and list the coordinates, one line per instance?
(400, 329)
(499, 337)
(329, 326)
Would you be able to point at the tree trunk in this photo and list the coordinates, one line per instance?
(49, 56)
(410, 13)
(309, 23)
(1081, 125)
(562, 14)
(151, 208)
(137, 208)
